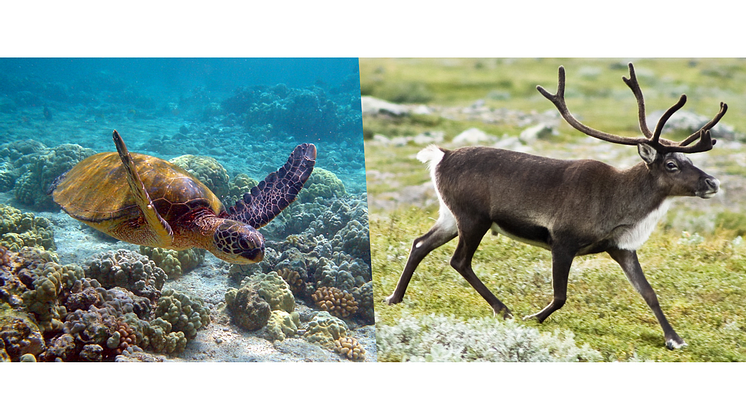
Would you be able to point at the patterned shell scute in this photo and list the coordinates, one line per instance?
(96, 190)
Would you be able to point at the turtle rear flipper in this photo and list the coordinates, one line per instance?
(163, 236)
(277, 190)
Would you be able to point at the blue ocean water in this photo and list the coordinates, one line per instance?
(248, 113)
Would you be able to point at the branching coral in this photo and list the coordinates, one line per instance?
(350, 348)
(294, 280)
(338, 302)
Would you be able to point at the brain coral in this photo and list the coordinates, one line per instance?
(324, 329)
(208, 170)
(174, 262)
(129, 270)
(19, 229)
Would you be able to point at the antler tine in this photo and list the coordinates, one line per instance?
(707, 126)
(655, 140)
(635, 86)
(559, 101)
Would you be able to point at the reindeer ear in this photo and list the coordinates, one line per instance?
(647, 153)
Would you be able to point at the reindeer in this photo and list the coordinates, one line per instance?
(570, 207)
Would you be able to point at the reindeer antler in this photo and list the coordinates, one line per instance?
(653, 139)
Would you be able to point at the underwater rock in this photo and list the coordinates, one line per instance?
(324, 329)
(36, 176)
(129, 270)
(19, 229)
(282, 325)
(184, 313)
(350, 348)
(174, 263)
(208, 170)
(247, 309)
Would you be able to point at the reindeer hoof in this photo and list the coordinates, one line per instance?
(678, 343)
(390, 300)
(502, 311)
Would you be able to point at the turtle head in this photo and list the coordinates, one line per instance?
(236, 242)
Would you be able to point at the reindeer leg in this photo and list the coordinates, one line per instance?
(440, 234)
(469, 238)
(561, 262)
(627, 259)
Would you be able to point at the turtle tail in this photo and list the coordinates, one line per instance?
(277, 190)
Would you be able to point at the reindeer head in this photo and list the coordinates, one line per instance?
(665, 159)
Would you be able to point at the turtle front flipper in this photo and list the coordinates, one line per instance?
(277, 190)
(163, 236)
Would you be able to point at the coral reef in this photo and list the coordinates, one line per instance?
(294, 280)
(19, 335)
(321, 184)
(349, 348)
(338, 302)
(273, 290)
(237, 187)
(37, 171)
(324, 329)
(301, 113)
(19, 229)
(208, 170)
(247, 309)
(174, 263)
(55, 312)
(184, 314)
(129, 270)
(282, 324)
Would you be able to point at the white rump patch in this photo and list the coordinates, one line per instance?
(432, 155)
(634, 237)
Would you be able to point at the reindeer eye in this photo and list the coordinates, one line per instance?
(671, 166)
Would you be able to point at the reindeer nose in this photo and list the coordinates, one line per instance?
(713, 184)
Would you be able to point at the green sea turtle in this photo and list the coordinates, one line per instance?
(144, 200)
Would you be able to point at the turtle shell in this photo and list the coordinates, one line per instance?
(96, 191)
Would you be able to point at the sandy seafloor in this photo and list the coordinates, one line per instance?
(169, 128)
